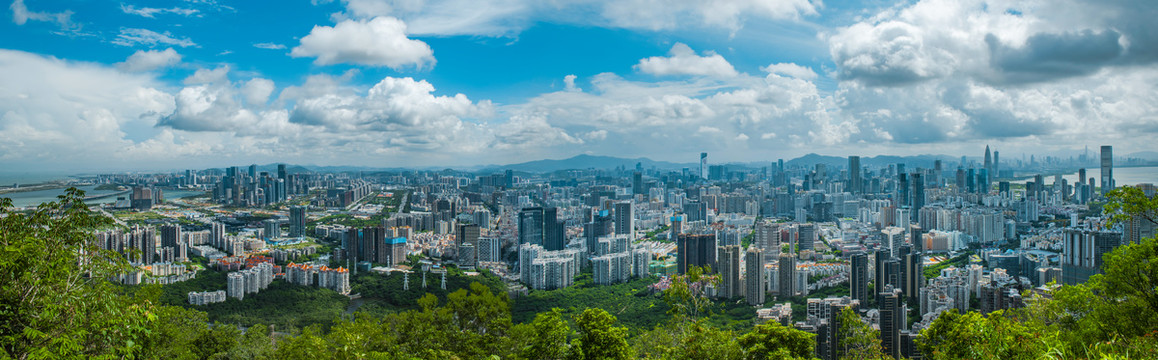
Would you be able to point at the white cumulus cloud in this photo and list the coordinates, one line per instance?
(149, 60)
(381, 41)
(790, 69)
(682, 60)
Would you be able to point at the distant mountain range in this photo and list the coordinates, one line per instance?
(580, 162)
(583, 162)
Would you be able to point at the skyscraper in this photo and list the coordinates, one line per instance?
(855, 180)
(892, 317)
(754, 276)
(637, 184)
(703, 165)
(859, 277)
(729, 260)
(806, 236)
(554, 234)
(466, 234)
(297, 221)
(911, 277)
(988, 161)
(917, 237)
(466, 239)
(994, 173)
(1082, 251)
(787, 280)
(917, 195)
(1107, 169)
(937, 173)
(625, 219)
(695, 250)
(531, 226)
(600, 225)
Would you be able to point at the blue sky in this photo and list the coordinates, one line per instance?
(170, 84)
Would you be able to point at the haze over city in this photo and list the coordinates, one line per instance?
(121, 85)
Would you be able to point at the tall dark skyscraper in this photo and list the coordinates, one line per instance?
(988, 160)
(531, 226)
(903, 189)
(960, 180)
(994, 172)
(297, 221)
(703, 165)
(911, 278)
(917, 237)
(695, 250)
(971, 180)
(600, 225)
(637, 184)
(787, 271)
(917, 196)
(466, 234)
(466, 241)
(859, 277)
(728, 258)
(170, 236)
(892, 318)
(538, 225)
(937, 173)
(855, 180)
(281, 174)
(1107, 169)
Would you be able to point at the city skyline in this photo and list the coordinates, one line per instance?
(106, 85)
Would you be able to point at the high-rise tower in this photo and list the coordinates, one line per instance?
(1107, 169)
(988, 159)
(703, 165)
(855, 180)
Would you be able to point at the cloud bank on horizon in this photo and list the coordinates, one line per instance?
(456, 82)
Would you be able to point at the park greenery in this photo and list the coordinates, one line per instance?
(57, 301)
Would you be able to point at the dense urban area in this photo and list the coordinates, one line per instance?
(830, 258)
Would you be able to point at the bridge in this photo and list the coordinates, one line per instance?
(102, 196)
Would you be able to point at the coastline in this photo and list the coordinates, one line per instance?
(34, 187)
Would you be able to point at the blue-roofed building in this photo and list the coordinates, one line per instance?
(394, 251)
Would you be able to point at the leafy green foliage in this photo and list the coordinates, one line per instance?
(282, 304)
(856, 339)
(771, 340)
(972, 336)
(685, 338)
(631, 302)
(599, 338)
(388, 291)
(688, 293)
(55, 301)
(545, 338)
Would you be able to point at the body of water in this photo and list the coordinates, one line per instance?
(34, 198)
(28, 178)
(1127, 176)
